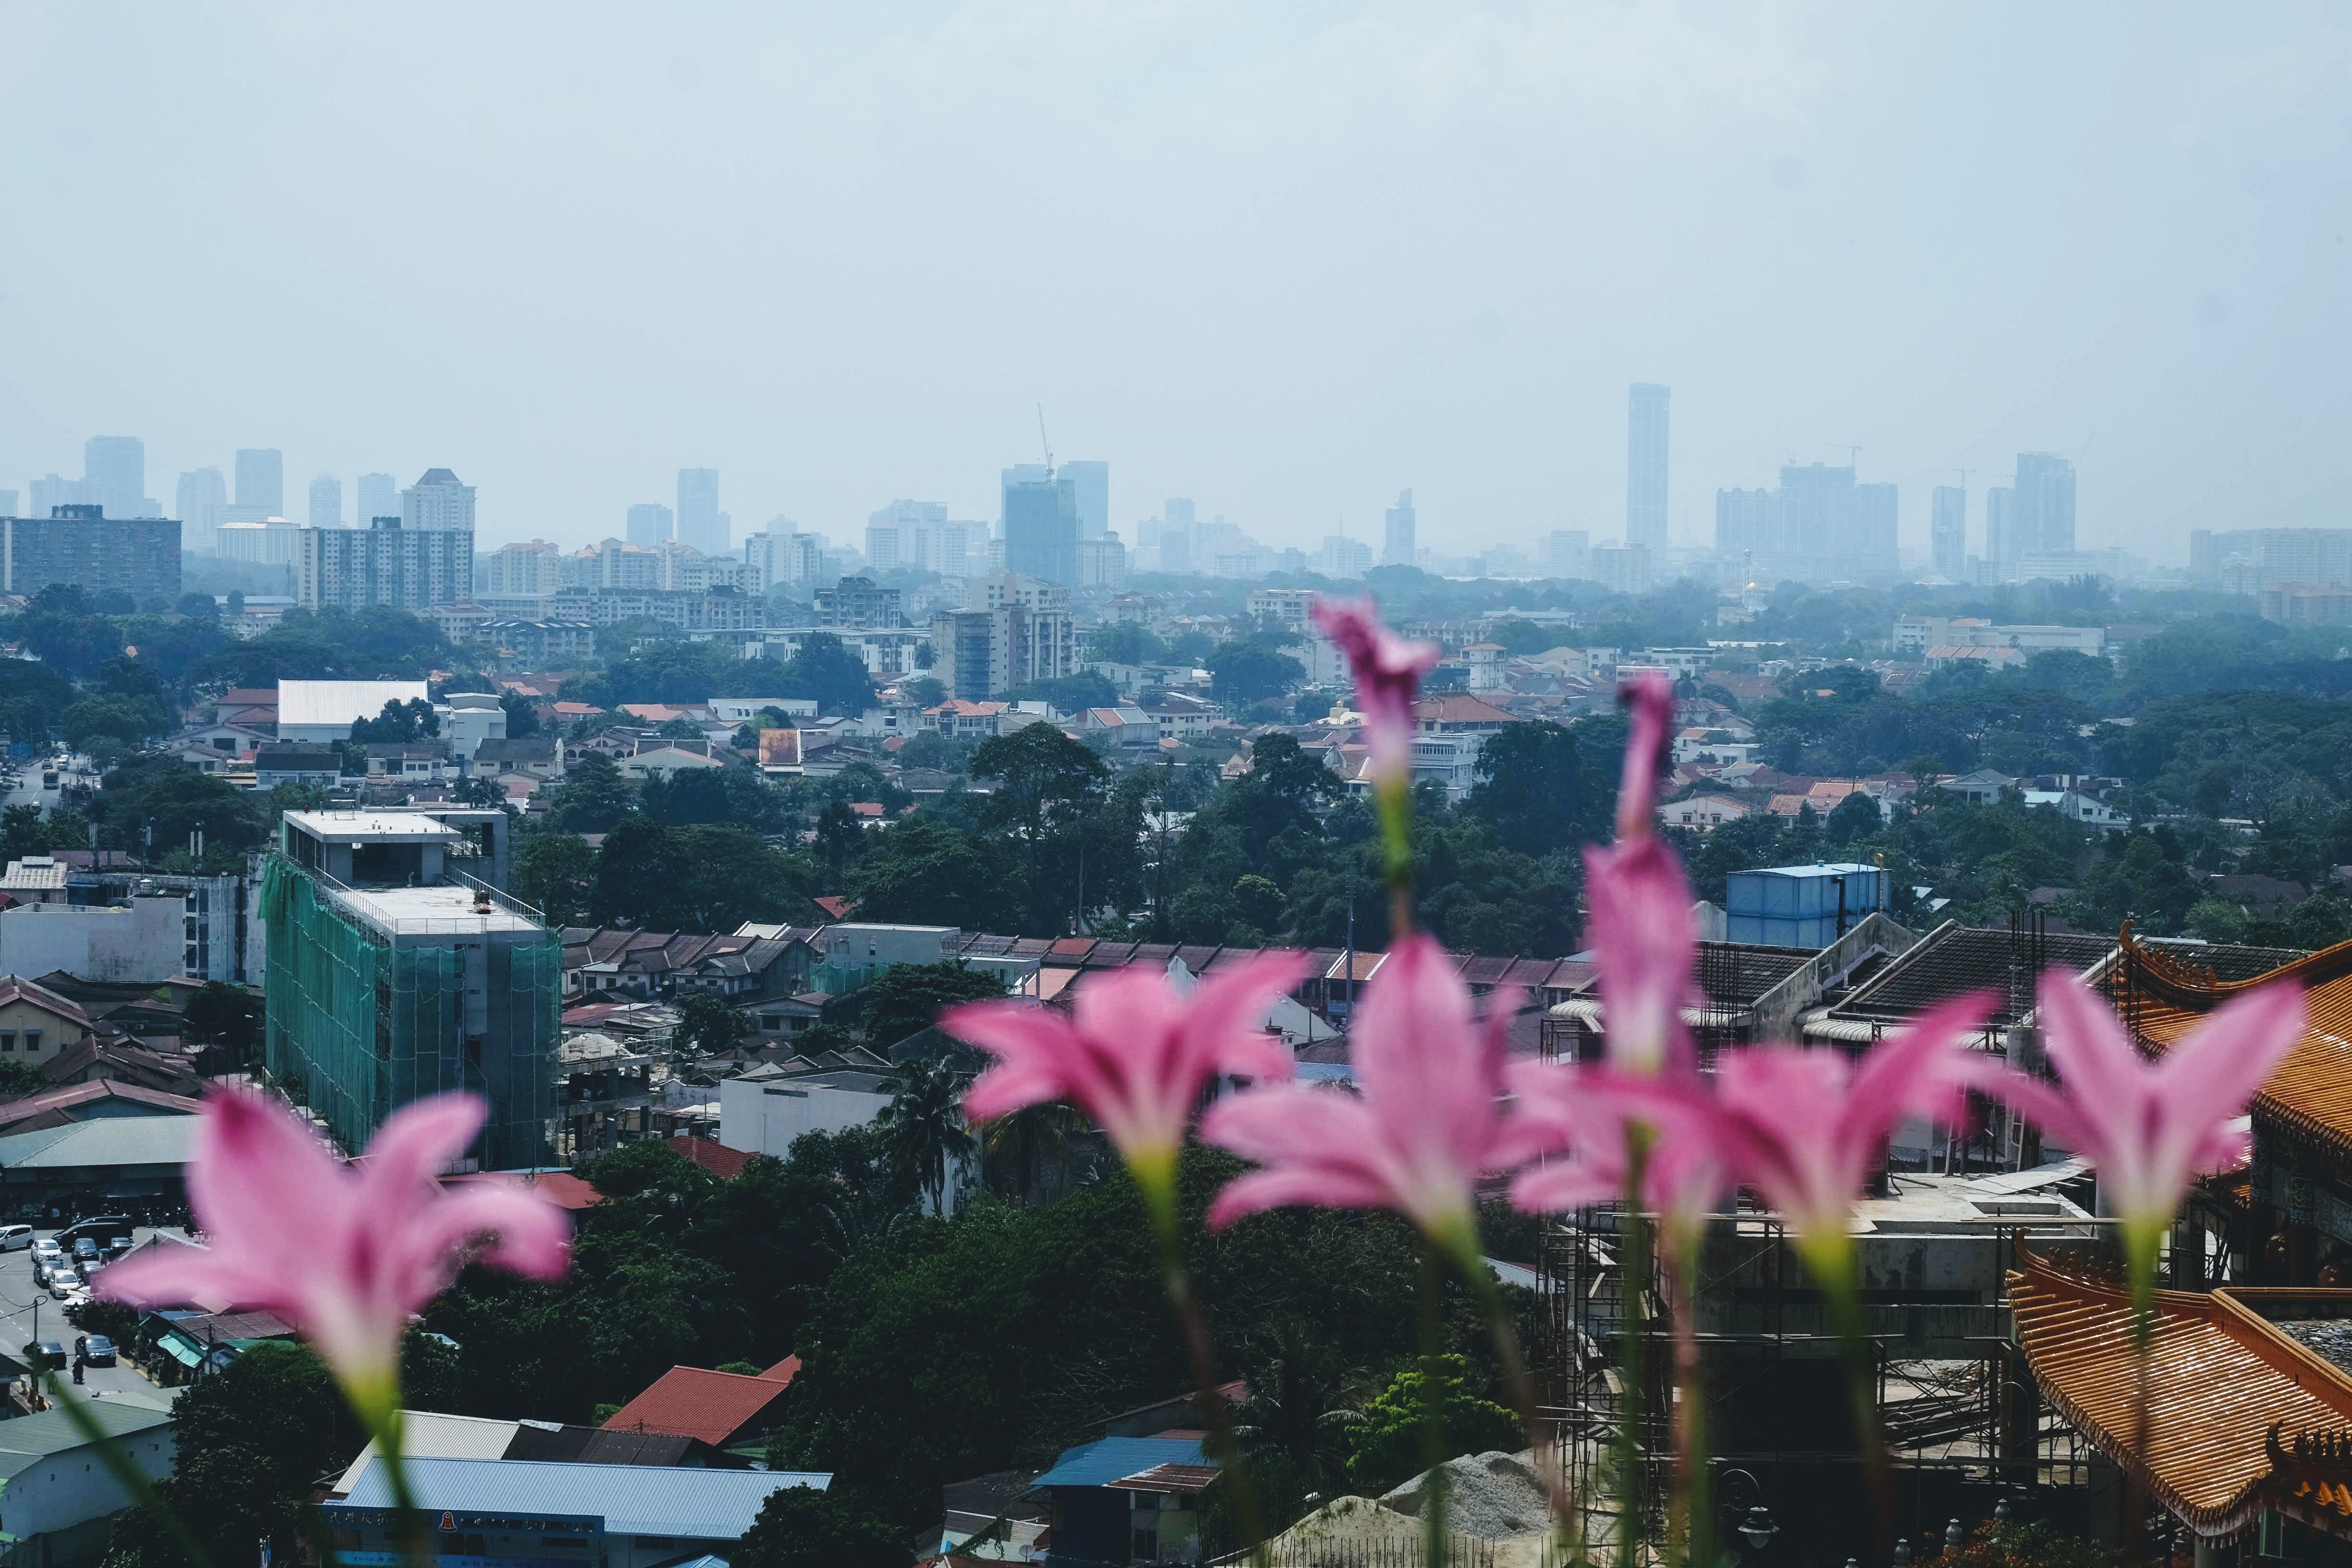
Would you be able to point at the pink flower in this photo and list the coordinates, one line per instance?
(1806, 1128)
(1577, 1121)
(1651, 702)
(1387, 671)
(1640, 906)
(345, 1256)
(2150, 1126)
(1134, 1055)
(1423, 1129)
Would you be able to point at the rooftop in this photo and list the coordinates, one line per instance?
(692, 1402)
(110, 1141)
(372, 826)
(431, 911)
(30, 1439)
(632, 1499)
(341, 701)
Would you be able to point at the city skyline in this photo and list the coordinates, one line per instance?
(1315, 277)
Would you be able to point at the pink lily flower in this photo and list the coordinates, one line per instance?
(346, 1256)
(1577, 1122)
(1806, 1128)
(1133, 1053)
(1424, 1127)
(1640, 906)
(2150, 1126)
(1387, 670)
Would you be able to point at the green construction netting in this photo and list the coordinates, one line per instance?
(366, 1022)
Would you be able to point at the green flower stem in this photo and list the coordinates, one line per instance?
(1693, 1502)
(2143, 1245)
(1633, 1329)
(1157, 1178)
(123, 1469)
(1394, 799)
(1834, 1265)
(1432, 1299)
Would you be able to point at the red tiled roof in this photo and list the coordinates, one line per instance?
(835, 905)
(55, 1107)
(562, 1188)
(710, 1154)
(715, 1406)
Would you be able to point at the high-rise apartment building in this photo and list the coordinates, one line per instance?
(114, 474)
(1011, 631)
(785, 555)
(522, 571)
(1399, 547)
(437, 502)
(1091, 483)
(7, 504)
(858, 603)
(385, 563)
(911, 536)
(378, 496)
(261, 481)
(395, 969)
(1818, 526)
(1343, 557)
(650, 524)
(1646, 469)
(1102, 563)
(203, 497)
(1041, 525)
(326, 501)
(1947, 533)
(700, 523)
(1568, 553)
(1621, 568)
(2045, 504)
(80, 544)
(2003, 548)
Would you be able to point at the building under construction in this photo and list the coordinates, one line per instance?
(1959, 1214)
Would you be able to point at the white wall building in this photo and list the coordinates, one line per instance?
(95, 941)
(325, 711)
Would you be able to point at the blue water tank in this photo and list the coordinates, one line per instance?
(1801, 906)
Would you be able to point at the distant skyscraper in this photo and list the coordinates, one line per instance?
(2000, 551)
(912, 535)
(649, 523)
(437, 501)
(1041, 525)
(114, 468)
(203, 495)
(1645, 469)
(379, 496)
(1870, 534)
(1568, 552)
(261, 481)
(698, 522)
(326, 501)
(1092, 482)
(7, 503)
(2045, 504)
(52, 492)
(1399, 549)
(1947, 533)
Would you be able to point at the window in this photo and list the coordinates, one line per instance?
(32, 1041)
(7, 1039)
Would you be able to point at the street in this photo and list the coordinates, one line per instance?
(24, 1305)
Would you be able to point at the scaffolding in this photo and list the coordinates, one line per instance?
(1958, 1406)
(366, 1014)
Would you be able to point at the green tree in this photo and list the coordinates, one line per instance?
(706, 877)
(1251, 669)
(905, 999)
(593, 797)
(924, 1125)
(224, 1015)
(800, 1527)
(923, 691)
(1386, 1449)
(1044, 781)
(400, 724)
(707, 1026)
(925, 871)
(1855, 817)
(1529, 787)
(555, 872)
(827, 672)
(522, 716)
(175, 800)
(1068, 693)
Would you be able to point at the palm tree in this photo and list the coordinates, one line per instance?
(1032, 1142)
(924, 1125)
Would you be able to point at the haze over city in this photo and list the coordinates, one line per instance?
(1285, 264)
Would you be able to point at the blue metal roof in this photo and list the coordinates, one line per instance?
(634, 1499)
(1102, 1462)
(1837, 869)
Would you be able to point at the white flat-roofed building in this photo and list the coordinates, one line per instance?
(326, 709)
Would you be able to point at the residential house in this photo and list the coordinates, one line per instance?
(538, 757)
(667, 762)
(1703, 813)
(34, 880)
(248, 707)
(2076, 806)
(1128, 1500)
(1449, 731)
(755, 966)
(1122, 726)
(961, 721)
(722, 1409)
(1182, 718)
(1982, 787)
(314, 766)
(405, 763)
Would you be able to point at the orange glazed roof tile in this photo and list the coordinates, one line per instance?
(2232, 1399)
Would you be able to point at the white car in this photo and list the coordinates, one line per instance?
(64, 1285)
(15, 1238)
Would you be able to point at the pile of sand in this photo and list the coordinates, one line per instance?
(1494, 1496)
(1349, 1521)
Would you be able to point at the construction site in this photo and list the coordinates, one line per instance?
(1958, 1212)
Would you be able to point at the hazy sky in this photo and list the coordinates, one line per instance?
(1286, 259)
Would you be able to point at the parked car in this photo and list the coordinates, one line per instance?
(43, 1354)
(15, 1238)
(95, 1349)
(47, 1248)
(84, 1249)
(64, 1282)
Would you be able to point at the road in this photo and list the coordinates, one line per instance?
(23, 1303)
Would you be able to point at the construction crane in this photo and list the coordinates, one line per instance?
(1041, 441)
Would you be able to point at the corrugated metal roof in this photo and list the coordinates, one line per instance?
(109, 1141)
(633, 1499)
(340, 701)
(1099, 1463)
(2220, 1379)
